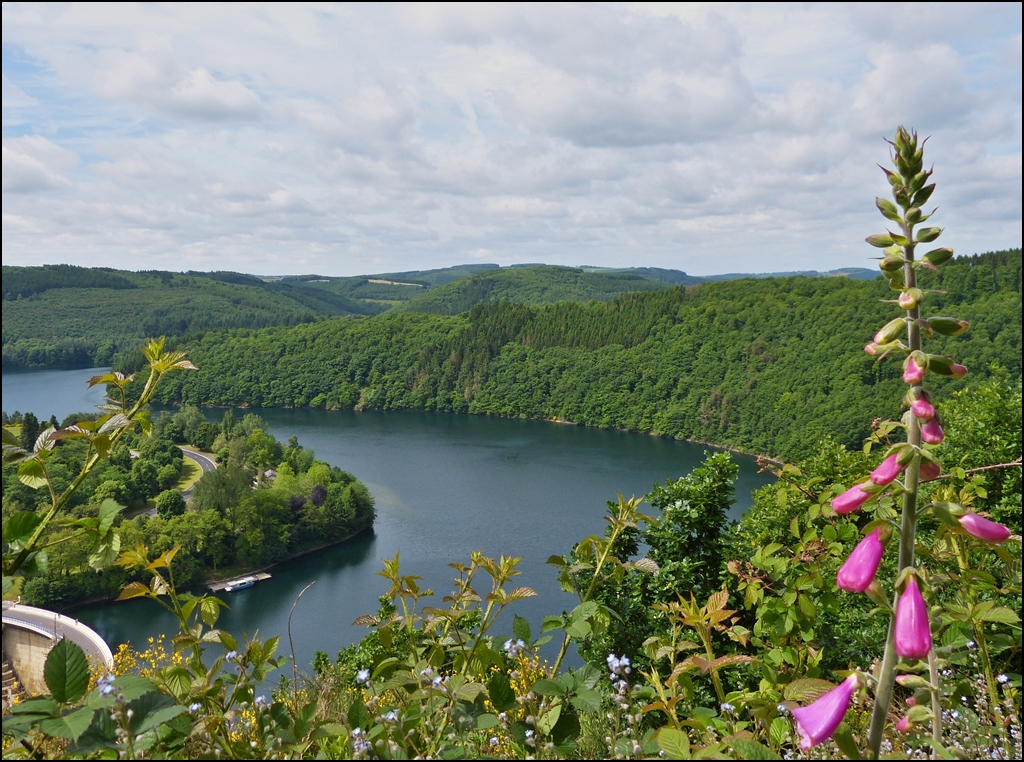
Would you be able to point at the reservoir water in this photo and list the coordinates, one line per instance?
(445, 485)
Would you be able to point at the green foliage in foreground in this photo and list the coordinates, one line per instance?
(769, 365)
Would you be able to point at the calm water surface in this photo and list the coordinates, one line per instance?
(445, 485)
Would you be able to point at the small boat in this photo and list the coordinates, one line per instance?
(242, 583)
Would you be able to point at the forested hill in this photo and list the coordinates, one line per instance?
(540, 284)
(62, 315)
(66, 315)
(768, 365)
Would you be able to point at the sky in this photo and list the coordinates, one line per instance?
(342, 140)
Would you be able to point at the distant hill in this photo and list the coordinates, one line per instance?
(533, 285)
(64, 315)
(61, 315)
(857, 273)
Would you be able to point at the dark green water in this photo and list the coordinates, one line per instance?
(445, 485)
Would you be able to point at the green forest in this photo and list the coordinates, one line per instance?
(62, 315)
(764, 365)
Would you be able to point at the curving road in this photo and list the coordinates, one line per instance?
(205, 462)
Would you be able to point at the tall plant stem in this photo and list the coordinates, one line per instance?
(908, 524)
(933, 674)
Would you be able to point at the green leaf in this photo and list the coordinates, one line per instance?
(500, 692)
(845, 741)
(487, 721)
(31, 474)
(105, 552)
(521, 629)
(178, 681)
(546, 687)
(587, 700)
(19, 527)
(70, 726)
(675, 743)
(66, 672)
(779, 731)
(358, 716)
(748, 748)
(1001, 614)
(547, 721)
(566, 729)
(807, 689)
(209, 609)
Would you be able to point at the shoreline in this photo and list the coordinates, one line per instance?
(561, 421)
(207, 580)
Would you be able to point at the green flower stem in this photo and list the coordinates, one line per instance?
(933, 674)
(908, 526)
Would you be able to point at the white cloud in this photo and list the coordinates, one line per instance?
(347, 139)
(33, 163)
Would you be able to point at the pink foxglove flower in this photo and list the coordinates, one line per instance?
(923, 409)
(903, 726)
(913, 374)
(957, 371)
(887, 470)
(983, 529)
(913, 631)
(850, 500)
(932, 432)
(929, 470)
(818, 721)
(858, 571)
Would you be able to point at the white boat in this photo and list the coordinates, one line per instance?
(241, 583)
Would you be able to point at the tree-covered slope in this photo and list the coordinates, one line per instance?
(768, 365)
(65, 315)
(535, 285)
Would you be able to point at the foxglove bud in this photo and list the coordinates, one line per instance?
(913, 632)
(929, 471)
(927, 235)
(913, 373)
(947, 326)
(858, 571)
(923, 408)
(938, 256)
(890, 264)
(850, 500)
(932, 432)
(903, 726)
(957, 371)
(818, 721)
(880, 240)
(910, 298)
(983, 529)
(887, 470)
(890, 331)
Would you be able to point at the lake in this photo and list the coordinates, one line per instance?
(444, 485)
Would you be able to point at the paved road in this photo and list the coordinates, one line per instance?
(205, 462)
(60, 626)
